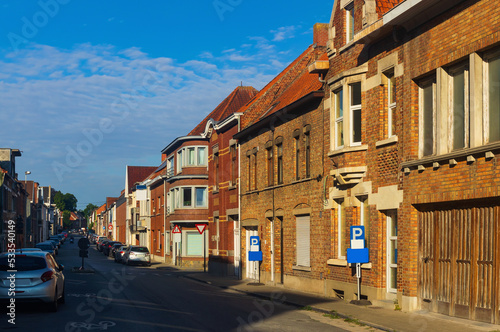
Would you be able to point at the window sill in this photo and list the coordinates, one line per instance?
(388, 141)
(348, 149)
(337, 262)
(301, 268)
(232, 187)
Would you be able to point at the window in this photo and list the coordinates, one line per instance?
(201, 197)
(349, 10)
(255, 170)
(216, 170)
(279, 148)
(459, 80)
(270, 166)
(194, 243)
(297, 157)
(341, 239)
(232, 151)
(303, 234)
(307, 147)
(392, 251)
(391, 103)
(355, 112)
(179, 161)
(493, 99)
(191, 157)
(249, 178)
(202, 160)
(159, 203)
(170, 166)
(339, 118)
(427, 117)
(186, 196)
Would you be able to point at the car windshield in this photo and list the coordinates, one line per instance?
(23, 263)
(140, 249)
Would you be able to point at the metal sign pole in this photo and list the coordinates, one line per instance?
(204, 253)
(358, 275)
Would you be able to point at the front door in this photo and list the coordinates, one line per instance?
(252, 266)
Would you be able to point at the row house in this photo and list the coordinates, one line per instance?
(120, 226)
(192, 199)
(136, 214)
(281, 141)
(413, 94)
(13, 204)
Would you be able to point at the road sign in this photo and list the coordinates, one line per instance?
(254, 254)
(201, 227)
(176, 230)
(83, 243)
(357, 237)
(110, 227)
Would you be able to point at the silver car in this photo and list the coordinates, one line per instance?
(137, 254)
(36, 277)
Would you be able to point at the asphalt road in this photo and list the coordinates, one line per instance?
(133, 298)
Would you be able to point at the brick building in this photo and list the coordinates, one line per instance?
(282, 162)
(187, 184)
(414, 116)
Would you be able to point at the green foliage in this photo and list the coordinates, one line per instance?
(65, 202)
(89, 209)
(66, 219)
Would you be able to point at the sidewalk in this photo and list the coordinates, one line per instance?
(377, 317)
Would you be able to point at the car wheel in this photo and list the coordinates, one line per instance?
(53, 305)
(63, 296)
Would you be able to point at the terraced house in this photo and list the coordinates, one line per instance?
(414, 118)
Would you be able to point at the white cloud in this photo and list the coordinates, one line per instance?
(283, 33)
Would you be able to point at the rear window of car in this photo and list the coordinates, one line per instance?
(44, 246)
(23, 263)
(139, 249)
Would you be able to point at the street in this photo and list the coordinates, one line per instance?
(159, 298)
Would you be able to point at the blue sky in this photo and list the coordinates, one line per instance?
(88, 87)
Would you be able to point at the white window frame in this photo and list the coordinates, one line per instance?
(170, 165)
(339, 120)
(391, 215)
(183, 157)
(176, 198)
(355, 108)
(364, 219)
(180, 160)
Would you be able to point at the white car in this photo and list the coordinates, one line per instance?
(37, 277)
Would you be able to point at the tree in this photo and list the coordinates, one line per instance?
(66, 219)
(65, 202)
(88, 210)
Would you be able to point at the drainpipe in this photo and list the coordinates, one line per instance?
(240, 263)
(165, 220)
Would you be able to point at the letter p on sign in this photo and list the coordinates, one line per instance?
(357, 237)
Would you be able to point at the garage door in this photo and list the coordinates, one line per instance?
(459, 260)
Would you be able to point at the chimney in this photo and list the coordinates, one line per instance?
(320, 32)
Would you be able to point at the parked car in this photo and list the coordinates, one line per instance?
(47, 246)
(56, 244)
(38, 278)
(113, 248)
(137, 254)
(102, 245)
(106, 249)
(56, 239)
(99, 241)
(119, 253)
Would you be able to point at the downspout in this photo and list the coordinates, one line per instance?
(240, 263)
(165, 220)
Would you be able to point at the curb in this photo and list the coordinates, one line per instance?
(299, 306)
